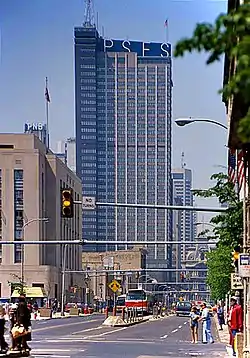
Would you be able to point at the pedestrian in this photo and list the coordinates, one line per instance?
(220, 315)
(194, 317)
(23, 319)
(206, 324)
(4, 345)
(235, 321)
(15, 343)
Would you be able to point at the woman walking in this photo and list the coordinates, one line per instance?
(194, 317)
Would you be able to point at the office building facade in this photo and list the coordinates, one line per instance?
(182, 193)
(66, 151)
(31, 179)
(123, 93)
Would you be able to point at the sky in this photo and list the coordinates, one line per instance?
(37, 41)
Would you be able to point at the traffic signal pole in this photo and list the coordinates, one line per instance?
(153, 206)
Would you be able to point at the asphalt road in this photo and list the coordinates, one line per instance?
(85, 337)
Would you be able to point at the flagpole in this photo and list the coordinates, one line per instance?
(47, 114)
(167, 32)
(237, 176)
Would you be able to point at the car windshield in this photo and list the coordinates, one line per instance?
(184, 305)
(120, 301)
(136, 295)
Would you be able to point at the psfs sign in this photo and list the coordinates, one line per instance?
(143, 49)
(34, 127)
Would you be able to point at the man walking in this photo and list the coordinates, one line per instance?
(206, 325)
(235, 321)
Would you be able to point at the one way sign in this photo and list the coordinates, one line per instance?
(236, 282)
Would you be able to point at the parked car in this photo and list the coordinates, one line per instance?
(183, 308)
(120, 303)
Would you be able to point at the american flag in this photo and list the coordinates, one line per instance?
(240, 168)
(232, 175)
(47, 96)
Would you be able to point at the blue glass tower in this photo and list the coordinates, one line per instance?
(123, 93)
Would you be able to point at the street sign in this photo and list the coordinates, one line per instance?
(244, 265)
(88, 203)
(108, 262)
(236, 282)
(114, 286)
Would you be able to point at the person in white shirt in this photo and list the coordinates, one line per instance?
(206, 325)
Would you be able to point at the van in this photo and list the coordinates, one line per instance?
(183, 308)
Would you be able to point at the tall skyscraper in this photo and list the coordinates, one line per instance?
(123, 93)
(182, 193)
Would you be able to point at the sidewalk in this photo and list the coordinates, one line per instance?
(54, 316)
(224, 337)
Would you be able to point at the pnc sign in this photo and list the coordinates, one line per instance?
(34, 127)
(142, 49)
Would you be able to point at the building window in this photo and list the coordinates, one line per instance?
(18, 212)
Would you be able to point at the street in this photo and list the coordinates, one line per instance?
(85, 337)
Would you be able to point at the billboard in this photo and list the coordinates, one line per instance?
(143, 49)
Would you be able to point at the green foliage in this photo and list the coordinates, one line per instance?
(17, 286)
(228, 226)
(219, 263)
(229, 34)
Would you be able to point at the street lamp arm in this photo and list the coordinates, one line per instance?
(185, 121)
(211, 121)
(34, 220)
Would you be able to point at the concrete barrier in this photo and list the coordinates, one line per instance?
(74, 311)
(45, 312)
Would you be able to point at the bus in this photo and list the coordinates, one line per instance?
(141, 300)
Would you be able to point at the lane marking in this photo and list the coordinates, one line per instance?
(185, 322)
(165, 336)
(180, 327)
(174, 331)
(87, 330)
(64, 325)
(106, 333)
(55, 350)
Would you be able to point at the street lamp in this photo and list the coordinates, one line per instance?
(63, 278)
(181, 122)
(22, 248)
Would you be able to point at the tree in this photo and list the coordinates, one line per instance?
(219, 264)
(230, 35)
(228, 228)
(229, 225)
(17, 286)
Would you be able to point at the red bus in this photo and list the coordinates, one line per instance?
(141, 300)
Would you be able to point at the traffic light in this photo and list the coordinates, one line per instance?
(236, 255)
(67, 203)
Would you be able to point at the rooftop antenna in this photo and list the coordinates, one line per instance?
(183, 164)
(89, 17)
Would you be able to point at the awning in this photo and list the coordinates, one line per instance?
(31, 292)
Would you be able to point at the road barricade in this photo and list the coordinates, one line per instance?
(45, 312)
(73, 311)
